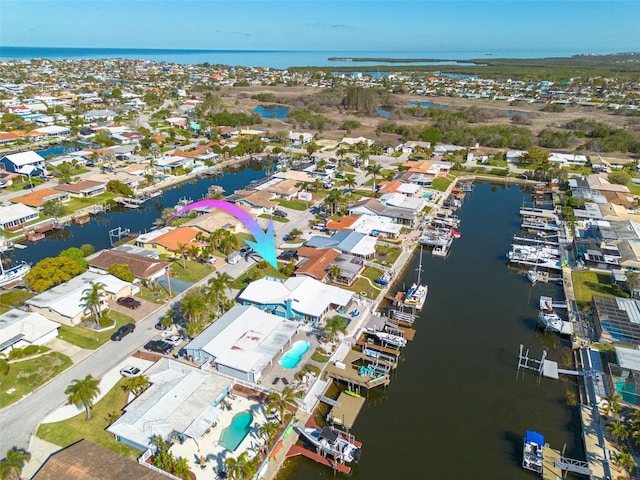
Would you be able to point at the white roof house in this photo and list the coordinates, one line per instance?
(16, 214)
(19, 329)
(368, 224)
(296, 298)
(17, 162)
(242, 342)
(62, 303)
(181, 399)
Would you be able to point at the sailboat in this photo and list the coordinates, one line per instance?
(417, 293)
(14, 273)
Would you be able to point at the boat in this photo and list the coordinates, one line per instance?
(13, 274)
(554, 323)
(532, 276)
(352, 393)
(532, 457)
(389, 338)
(456, 234)
(417, 293)
(330, 441)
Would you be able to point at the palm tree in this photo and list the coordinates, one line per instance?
(340, 153)
(317, 183)
(91, 298)
(334, 271)
(618, 430)
(194, 252)
(335, 325)
(181, 468)
(4, 364)
(11, 466)
(333, 199)
(268, 430)
(82, 393)
(217, 288)
(238, 468)
(283, 401)
(623, 460)
(374, 170)
(137, 384)
(350, 182)
(613, 404)
(228, 243)
(180, 250)
(194, 306)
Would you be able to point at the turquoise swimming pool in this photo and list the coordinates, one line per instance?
(292, 357)
(234, 434)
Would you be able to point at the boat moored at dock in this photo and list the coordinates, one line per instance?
(14, 273)
(333, 442)
(532, 457)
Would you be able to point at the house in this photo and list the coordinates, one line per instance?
(7, 178)
(169, 239)
(217, 219)
(353, 243)
(367, 225)
(127, 179)
(616, 319)
(63, 303)
(297, 298)
(143, 268)
(37, 198)
(83, 189)
(259, 201)
(19, 329)
(181, 401)
(315, 262)
(27, 163)
(351, 141)
(95, 115)
(53, 131)
(300, 137)
(87, 461)
(243, 342)
(624, 375)
(279, 188)
(13, 216)
(373, 207)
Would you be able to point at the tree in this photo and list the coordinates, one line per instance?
(137, 384)
(374, 170)
(350, 182)
(218, 287)
(613, 404)
(623, 460)
(281, 402)
(76, 254)
(91, 299)
(53, 208)
(335, 271)
(181, 468)
(619, 177)
(633, 280)
(121, 271)
(193, 306)
(335, 325)
(535, 157)
(240, 467)
(268, 430)
(618, 430)
(82, 393)
(295, 233)
(50, 272)
(12, 464)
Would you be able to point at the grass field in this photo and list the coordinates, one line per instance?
(193, 272)
(73, 429)
(294, 204)
(441, 184)
(13, 298)
(587, 283)
(90, 339)
(27, 375)
(254, 273)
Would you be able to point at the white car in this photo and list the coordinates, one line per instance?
(174, 340)
(130, 371)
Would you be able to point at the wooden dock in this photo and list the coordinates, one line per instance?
(296, 450)
(549, 469)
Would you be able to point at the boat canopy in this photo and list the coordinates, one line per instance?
(534, 437)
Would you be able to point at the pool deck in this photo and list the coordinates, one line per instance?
(209, 447)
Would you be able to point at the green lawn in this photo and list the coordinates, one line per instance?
(158, 296)
(587, 283)
(441, 184)
(13, 298)
(294, 204)
(362, 284)
(75, 204)
(193, 272)
(386, 255)
(634, 189)
(73, 429)
(90, 339)
(27, 375)
(275, 218)
(255, 273)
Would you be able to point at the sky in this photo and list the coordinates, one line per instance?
(604, 26)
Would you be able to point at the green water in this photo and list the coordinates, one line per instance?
(454, 409)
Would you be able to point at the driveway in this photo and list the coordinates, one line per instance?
(143, 311)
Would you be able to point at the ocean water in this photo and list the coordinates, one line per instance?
(267, 58)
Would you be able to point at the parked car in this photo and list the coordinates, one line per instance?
(161, 326)
(159, 346)
(320, 226)
(174, 340)
(129, 302)
(288, 255)
(123, 331)
(129, 371)
(280, 213)
(234, 258)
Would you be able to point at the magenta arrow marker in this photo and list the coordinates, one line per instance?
(265, 242)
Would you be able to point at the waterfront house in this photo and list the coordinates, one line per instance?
(367, 225)
(7, 178)
(84, 460)
(243, 342)
(27, 163)
(297, 298)
(13, 216)
(259, 201)
(51, 131)
(346, 241)
(127, 179)
(169, 240)
(623, 376)
(19, 329)
(316, 263)
(616, 319)
(217, 219)
(373, 207)
(37, 198)
(83, 189)
(405, 188)
(181, 401)
(62, 303)
(142, 267)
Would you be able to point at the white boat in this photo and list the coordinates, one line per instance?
(417, 293)
(389, 338)
(532, 458)
(554, 323)
(532, 276)
(329, 441)
(13, 274)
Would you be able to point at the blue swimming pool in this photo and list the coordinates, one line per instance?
(292, 357)
(272, 112)
(234, 434)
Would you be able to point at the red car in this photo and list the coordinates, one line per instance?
(128, 302)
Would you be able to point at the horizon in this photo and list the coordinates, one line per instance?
(595, 27)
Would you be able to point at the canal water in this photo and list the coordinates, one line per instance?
(140, 220)
(454, 409)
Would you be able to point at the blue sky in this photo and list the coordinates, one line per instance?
(578, 26)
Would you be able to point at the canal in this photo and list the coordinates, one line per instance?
(454, 409)
(138, 220)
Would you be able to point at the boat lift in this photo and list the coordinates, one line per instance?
(118, 233)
